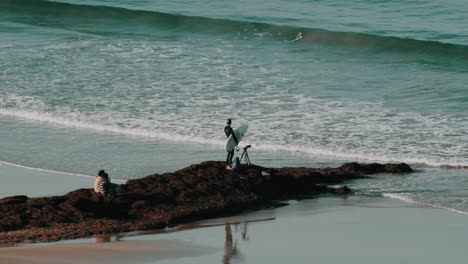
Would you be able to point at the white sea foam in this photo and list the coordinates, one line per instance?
(48, 118)
(407, 199)
(332, 133)
(191, 107)
(262, 34)
(298, 37)
(401, 197)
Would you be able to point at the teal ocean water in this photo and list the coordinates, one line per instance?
(139, 87)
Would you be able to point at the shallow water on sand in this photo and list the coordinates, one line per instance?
(333, 230)
(326, 230)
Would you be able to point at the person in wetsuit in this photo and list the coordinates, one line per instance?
(228, 131)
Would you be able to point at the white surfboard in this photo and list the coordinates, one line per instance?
(240, 133)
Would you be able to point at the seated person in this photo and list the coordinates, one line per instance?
(104, 186)
(98, 180)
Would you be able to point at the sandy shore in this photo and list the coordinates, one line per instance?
(116, 252)
(325, 230)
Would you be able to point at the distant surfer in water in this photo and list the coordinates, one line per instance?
(228, 131)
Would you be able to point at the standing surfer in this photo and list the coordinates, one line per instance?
(230, 154)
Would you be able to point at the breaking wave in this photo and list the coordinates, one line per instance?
(70, 15)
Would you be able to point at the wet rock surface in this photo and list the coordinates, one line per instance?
(199, 191)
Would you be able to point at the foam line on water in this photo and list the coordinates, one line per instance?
(174, 137)
(336, 133)
(354, 155)
(54, 171)
(412, 201)
(48, 118)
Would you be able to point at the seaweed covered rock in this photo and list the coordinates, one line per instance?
(198, 191)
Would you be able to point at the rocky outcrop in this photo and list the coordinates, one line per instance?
(199, 191)
(373, 168)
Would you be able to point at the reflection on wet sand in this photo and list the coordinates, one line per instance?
(102, 239)
(230, 246)
(106, 238)
(245, 235)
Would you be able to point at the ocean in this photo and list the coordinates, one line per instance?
(142, 87)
